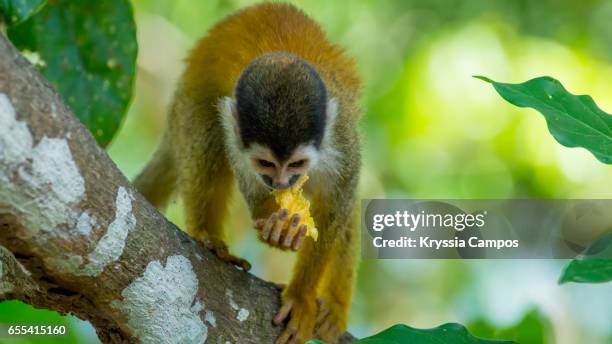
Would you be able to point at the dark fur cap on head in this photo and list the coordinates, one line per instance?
(281, 102)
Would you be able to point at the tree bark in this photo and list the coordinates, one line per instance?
(78, 238)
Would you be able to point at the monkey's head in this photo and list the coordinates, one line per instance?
(279, 118)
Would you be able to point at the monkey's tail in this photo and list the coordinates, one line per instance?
(157, 180)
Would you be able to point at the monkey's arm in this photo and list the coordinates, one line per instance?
(337, 284)
(204, 177)
(326, 266)
(326, 269)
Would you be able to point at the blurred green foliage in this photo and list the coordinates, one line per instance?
(13, 12)
(16, 313)
(533, 328)
(430, 130)
(87, 49)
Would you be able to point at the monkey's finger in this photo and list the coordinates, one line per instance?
(239, 262)
(300, 238)
(325, 328)
(334, 333)
(243, 263)
(278, 227)
(283, 312)
(285, 337)
(265, 233)
(259, 224)
(330, 335)
(246, 266)
(283, 213)
(293, 230)
(293, 225)
(323, 313)
(219, 249)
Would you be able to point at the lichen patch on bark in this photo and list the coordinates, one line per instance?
(111, 245)
(159, 305)
(42, 182)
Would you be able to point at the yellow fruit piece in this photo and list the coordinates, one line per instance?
(293, 200)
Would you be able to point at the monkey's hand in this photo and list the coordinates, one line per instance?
(219, 248)
(331, 320)
(281, 231)
(302, 312)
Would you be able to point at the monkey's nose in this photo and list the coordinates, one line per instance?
(275, 183)
(288, 184)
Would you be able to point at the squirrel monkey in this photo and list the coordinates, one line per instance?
(265, 99)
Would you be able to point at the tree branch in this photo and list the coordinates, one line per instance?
(79, 239)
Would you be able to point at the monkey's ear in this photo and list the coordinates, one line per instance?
(229, 117)
(330, 120)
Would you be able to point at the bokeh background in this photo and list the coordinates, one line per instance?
(430, 130)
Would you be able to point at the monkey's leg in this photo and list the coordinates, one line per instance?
(206, 197)
(337, 286)
(158, 179)
(300, 296)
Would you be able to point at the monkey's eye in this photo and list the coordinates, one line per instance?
(265, 163)
(298, 163)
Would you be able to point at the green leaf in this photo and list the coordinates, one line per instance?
(595, 266)
(13, 12)
(88, 51)
(574, 121)
(533, 328)
(447, 333)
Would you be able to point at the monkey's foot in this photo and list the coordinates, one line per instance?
(301, 314)
(331, 321)
(219, 248)
(280, 231)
